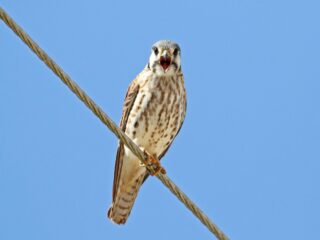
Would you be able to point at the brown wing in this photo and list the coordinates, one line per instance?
(128, 104)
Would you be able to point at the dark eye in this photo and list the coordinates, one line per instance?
(176, 51)
(156, 51)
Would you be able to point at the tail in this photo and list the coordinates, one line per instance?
(124, 200)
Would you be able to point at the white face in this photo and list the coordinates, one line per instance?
(165, 58)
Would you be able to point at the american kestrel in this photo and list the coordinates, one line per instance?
(153, 112)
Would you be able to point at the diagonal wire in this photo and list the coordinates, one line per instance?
(108, 122)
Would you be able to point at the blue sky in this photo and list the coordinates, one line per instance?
(248, 153)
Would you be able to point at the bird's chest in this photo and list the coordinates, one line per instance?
(156, 114)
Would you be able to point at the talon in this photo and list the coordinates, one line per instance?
(163, 171)
(154, 162)
(142, 164)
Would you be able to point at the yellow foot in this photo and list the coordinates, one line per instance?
(154, 162)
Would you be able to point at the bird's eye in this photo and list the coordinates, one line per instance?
(156, 51)
(175, 52)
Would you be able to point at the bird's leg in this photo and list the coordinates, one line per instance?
(154, 162)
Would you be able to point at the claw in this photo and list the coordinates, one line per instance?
(154, 162)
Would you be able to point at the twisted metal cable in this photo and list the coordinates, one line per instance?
(109, 123)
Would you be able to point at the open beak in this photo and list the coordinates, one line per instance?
(165, 61)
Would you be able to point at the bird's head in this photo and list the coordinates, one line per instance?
(165, 58)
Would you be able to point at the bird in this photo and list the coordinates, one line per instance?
(153, 113)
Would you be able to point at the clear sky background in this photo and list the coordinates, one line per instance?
(248, 153)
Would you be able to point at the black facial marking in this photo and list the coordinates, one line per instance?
(175, 52)
(175, 65)
(154, 65)
(155, 50)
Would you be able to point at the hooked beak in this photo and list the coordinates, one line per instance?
(165, 61)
